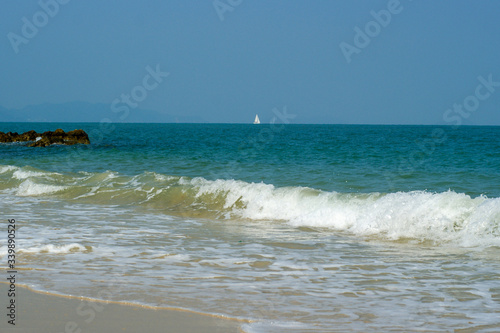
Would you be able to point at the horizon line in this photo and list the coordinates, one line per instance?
(229, 123)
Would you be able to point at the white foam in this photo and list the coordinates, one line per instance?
(7, 168)
(233, 190)
(266, 326)
(23, 174)
(440, 217)
(160, 177)
(55, 249)
(30, 188)
(110, 175)
(177, 257)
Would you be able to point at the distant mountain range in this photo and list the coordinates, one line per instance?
(88, 112)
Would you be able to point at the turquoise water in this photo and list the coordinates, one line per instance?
(298, 227)
(342, 158)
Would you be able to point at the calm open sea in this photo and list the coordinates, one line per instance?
(300, 228)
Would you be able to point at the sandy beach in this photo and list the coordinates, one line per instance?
(41, 312)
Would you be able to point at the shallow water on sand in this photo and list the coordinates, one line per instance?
(282, 276)
(309, 240)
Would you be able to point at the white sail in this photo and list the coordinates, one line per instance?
(256, 121)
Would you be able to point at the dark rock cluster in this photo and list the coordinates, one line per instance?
(47, 138)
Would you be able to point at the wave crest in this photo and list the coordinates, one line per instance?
(438, 217)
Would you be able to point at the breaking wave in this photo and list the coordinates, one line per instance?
(49, 249)
(424, 216)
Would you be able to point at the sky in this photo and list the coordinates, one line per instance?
(323, 61)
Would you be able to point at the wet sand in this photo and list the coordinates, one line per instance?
(38, 312)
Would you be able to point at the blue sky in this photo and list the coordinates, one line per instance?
(230, 59)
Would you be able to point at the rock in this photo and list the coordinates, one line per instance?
(4, 137)
(43, 142)
(47, 138)
(79, 136)
(28, 136)
(13, 136)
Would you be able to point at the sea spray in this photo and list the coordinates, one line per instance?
(438, 217)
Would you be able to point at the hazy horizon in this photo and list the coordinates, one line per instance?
(272, 120)
(326, 62)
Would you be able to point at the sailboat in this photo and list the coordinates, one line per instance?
(256, 121)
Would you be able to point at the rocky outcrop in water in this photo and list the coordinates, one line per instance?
(47, 138)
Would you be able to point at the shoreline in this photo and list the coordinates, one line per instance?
(45, 312)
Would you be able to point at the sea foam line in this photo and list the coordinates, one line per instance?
(421, 215)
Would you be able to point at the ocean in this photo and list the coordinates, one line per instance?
(296, 228)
